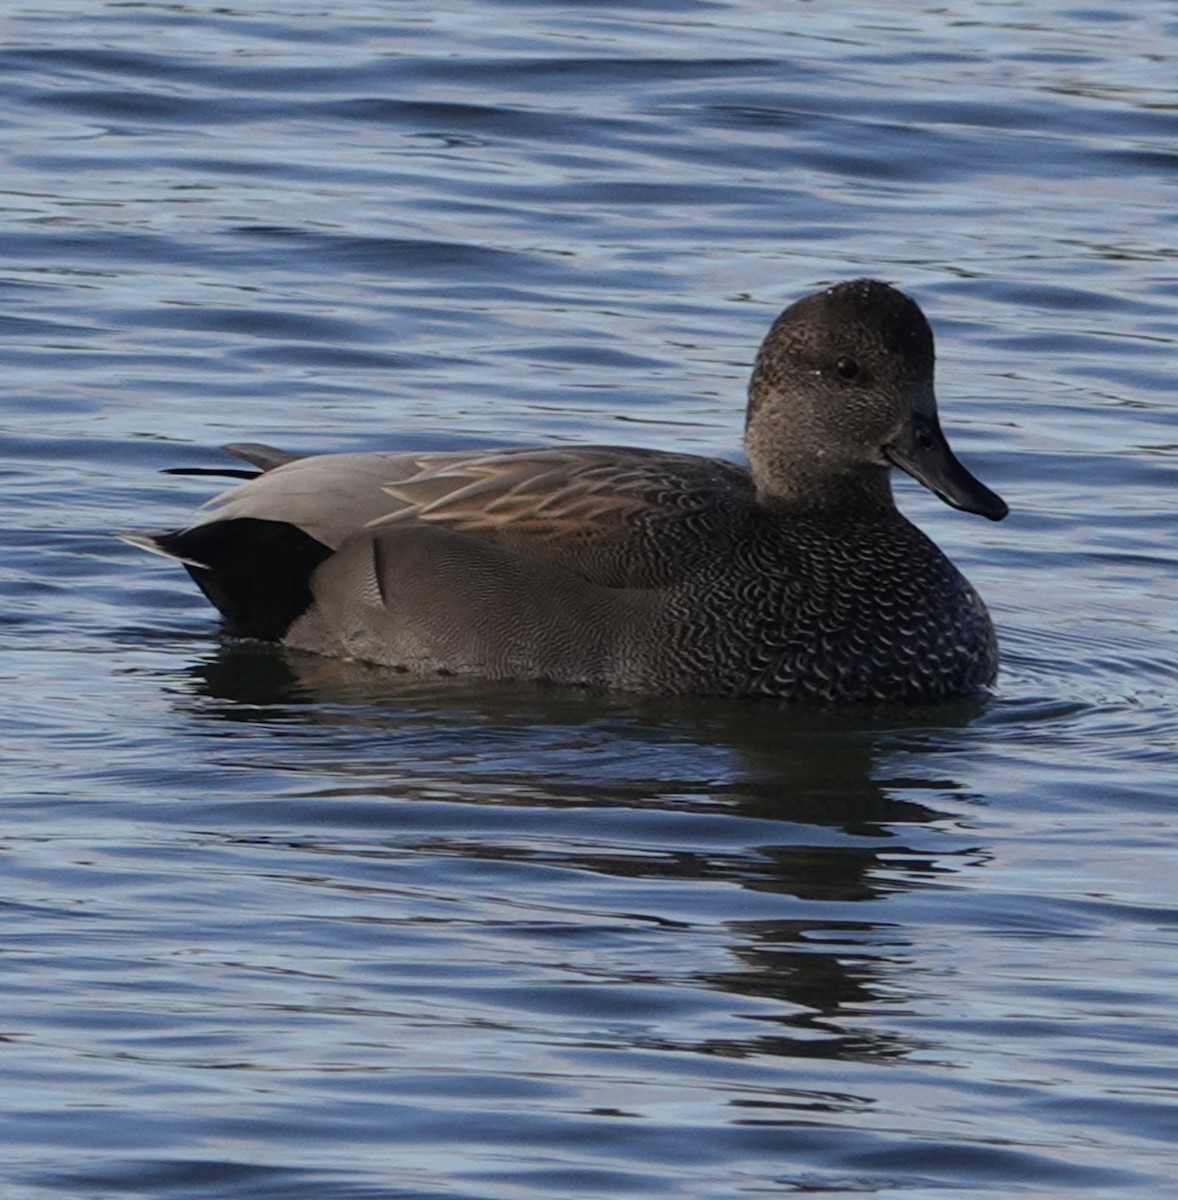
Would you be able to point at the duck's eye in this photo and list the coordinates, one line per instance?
(847, 367)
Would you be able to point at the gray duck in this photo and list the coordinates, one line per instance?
(635, 569)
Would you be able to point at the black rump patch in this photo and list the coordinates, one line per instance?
(257, 573)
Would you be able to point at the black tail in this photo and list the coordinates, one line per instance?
(216, 472)
(256, 573)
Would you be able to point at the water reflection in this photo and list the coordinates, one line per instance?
(820, 815)
(819, 972)
(839, 767)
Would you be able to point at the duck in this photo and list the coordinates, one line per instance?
(643, 570)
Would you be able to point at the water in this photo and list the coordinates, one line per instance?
(278, 927)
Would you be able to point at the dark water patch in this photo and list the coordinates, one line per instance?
(96, 248)
(222, 1178)
(594, 356)
(951, 1164)
(329, 358)
(118, 105)
(252, 320)
(447, 118)
(564, 72)
(32, 327)
(400, 254)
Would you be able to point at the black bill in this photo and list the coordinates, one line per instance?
(922, 451)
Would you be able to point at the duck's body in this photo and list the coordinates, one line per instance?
(637, 569)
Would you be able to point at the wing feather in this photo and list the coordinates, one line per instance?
(584, 493)
(618, 516)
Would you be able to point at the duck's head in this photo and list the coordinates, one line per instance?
(842, 391)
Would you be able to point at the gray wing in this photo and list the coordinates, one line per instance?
(613, 515)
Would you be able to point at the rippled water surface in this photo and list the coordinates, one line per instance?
(278, 927)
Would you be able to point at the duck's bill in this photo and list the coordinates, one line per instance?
(922, 451)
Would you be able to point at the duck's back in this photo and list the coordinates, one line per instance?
(617, 516)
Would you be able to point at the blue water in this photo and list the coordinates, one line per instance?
(281, 927)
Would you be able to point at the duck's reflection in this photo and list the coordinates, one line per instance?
(832, 809)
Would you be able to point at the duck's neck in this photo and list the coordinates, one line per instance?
(800, 458)
(815, 485)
